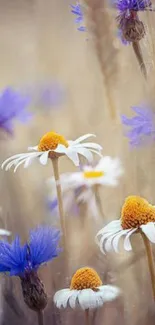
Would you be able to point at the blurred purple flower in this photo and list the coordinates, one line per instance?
(77, 11)
(13, 106)
(142, 126)
(136, 5)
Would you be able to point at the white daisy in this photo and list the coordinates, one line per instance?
(106, 172)
(137, 215)
(86, 291)
(54, 145)
(4, 232)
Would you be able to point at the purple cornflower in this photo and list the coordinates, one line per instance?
(142, 126)
(125, 6)
(77, 11)
(13, 106)
(24, 261)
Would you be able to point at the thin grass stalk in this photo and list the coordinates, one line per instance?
(99, 25)
(139, 56)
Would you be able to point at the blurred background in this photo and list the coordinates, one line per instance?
(39, 47)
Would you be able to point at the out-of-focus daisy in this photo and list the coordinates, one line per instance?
(24, 261)
(107, 172)
(77, 11)
(13, 107)
(137, 216)
(142, 126)
(86, 291)
(53, 145)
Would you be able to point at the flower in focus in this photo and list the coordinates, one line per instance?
(13, 107)
(54, 145)
(137, 215)
(24, 260)
(86, 291)
(77, 11)
(141, 126)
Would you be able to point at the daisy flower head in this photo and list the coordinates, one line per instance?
(24, 261)
(107, 172)
(13, 106)
(53, 145)
(137, 216)
(77, 11)
(141, 126)
(86, 291)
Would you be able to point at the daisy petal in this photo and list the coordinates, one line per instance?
(110, 292)
(44, 157)
(90, 145)
(86, 153)
(73, 299)
(117, 238)
(61, 297)
(83, 137)
(73, 156)
(87, 299)
(127, 244)
(149, 231)
(4, 232)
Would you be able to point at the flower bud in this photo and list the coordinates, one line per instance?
(33, 291)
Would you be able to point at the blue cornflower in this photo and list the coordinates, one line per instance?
(125, 6)
(142, 126)
(77, 11)
(24, 261)
(13, 106)
(19, 260)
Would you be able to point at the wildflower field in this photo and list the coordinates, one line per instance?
(77, 136)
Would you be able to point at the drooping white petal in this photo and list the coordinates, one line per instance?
(28, 162)
(87, 299)
(86, 153)
(109, 292)
(44, 157)
(108, 244)
(103, 238)
(90, 145)
(117, 238)
(73, 156)
(149, 231)
(127, 244)
(12, 158)
(83, 137)
(61, 297)
(4, 232)
(20, 163)
(73, 299)
(110, 227)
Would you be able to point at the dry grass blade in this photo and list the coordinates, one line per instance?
(100, 24)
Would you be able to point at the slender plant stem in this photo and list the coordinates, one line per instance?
(150, 261)
(98, 200)
(87, 317)
(40, 317)
(139, 56)
(59, 197)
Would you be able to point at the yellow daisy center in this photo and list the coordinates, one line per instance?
(93, 174)
(50, 141)
(85, 278)
(136, 211)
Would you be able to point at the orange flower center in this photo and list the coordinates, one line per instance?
(50, 141)
(136, 211)
(85, 278)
